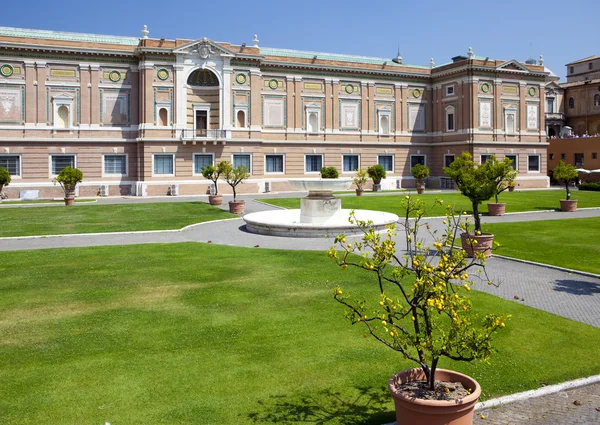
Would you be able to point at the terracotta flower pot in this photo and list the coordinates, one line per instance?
(237, 207)
(477, 243)
(215, 199)
(568, 205)
(376, 187)
(359, 192)
(511, 188)
(69, 200)
(496, 210)
(420, 190)
(411, 411)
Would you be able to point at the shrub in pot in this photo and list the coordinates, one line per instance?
(419, 307)
(233, 177)
(360, 179)
(420, 172)
(511, 185)
(376, 173)
(213, 173)
(503, 174)
(68, 179)
(565, 173)
(329, 173)
(4, 180)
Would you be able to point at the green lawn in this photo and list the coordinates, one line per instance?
(204, 334)
(571, 243)
(515, 201)
(106, 218)
(45, 201)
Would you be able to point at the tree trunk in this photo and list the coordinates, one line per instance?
(568, 191)
(476, 216)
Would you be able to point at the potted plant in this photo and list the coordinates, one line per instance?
(478, 183)
(376, 173)
(360, 179)
(565, 173)
(68, 179)
(233, 177)
(4, 180)
(504, 174)
(420, 172)
(329, 173)
(420, 308)
(511, 185)
(213, 173)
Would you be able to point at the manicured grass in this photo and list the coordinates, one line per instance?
(571, 243)
(515, 201)
(204, 334)
(106, 218)
(45, 201)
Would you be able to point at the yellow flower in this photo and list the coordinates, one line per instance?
(344, 266)
(467, 287)
(381, 303)
(413, 318)
(339, 292)
(482, 416)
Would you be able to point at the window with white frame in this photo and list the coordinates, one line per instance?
(510, 119)
(597, 100)
(12, 163)
(202, 160)
(449, 90)
(164, 164)
(450, 124)
(242, 159)
(448, 159)
(386, 161)
(313, 163)
(550, 105)
(202, 119)
(417, 159)
(485, 158)
(60, 162)
(115, 164)
(349, 163)
(274, 164)
(533, 163)
(514, 161)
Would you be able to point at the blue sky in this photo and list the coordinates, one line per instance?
(512, 29)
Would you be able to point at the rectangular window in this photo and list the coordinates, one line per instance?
(163, 164)
(579, 160)
(417, 159)
(550, 106)
(485, 158)
(551, 156)
(115, 164)
(514, 159)
(572, 69)
(594, 155)
(313, 163)
(274, 163)
(201, 160)
(59, 162)
(387, 162)
(449, 90)
(350, 163)
(12, 163)
(448, 159)
(450, 122)
(533, 163)
(201, 123)
(563, 156)
(242, 159)
(590, 66)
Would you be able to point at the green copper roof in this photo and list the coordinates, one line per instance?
(332, 57)
(68, 36)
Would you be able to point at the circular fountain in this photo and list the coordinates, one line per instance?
(320, 213)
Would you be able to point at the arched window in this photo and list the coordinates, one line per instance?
(597, 100)
(163, 117)
(63, 117)
(313, 122)
(571, 103)
(203, 78)
(450, 119)
(241, 119)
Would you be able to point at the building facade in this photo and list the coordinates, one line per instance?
(141, 116)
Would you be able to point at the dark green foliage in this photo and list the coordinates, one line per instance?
(376, 172)
(329, 173)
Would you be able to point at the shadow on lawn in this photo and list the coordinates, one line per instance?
(364, 406)
(577, 287)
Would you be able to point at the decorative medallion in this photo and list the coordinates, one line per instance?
(416, 93)
(273, 84)
(6, 70)
(240, 78)
(349, 88)
(531, 91)
(485, 88)
(114, 76)
(162, 74)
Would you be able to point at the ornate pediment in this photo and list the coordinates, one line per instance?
(62, 96)
(203, 48)
(512, 65)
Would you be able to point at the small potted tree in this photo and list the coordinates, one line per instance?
(360, 179)
(376, 173)
(420, 308)
(4, 180)
(329, 173)
(511, 185)
(565, 173)
(478, 183)
(68, 179)
(233, 177)
(420, 172)
(213, 173)
(504, 174)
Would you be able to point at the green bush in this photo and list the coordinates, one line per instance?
(376, 172)
(590, 186)
(4, 177)
(329, 173)
(68, 179)
(565, 173)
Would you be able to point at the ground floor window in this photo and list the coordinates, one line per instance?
(485, 158)
(514, 161)
(60, 162)
(387, 162)
(533, 163)
(242, 159)
(579, 160)
(115, 164)
(274, 163)
(349, 163)
(417, 159)
(164, 164)
(12, 163)
(313, 163)
(448, 159)
(202, 160)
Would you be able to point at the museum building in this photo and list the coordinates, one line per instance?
(141, 116)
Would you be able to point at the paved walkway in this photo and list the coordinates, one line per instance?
(572, 295)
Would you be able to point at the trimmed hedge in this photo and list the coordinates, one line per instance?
(590, 186)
